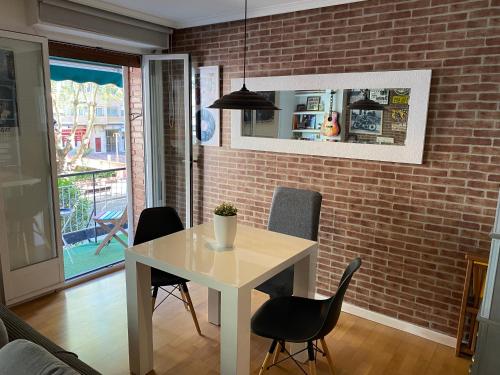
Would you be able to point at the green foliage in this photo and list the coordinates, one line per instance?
(87, 176)
(80, 207)
(68, 97)
(226, 209)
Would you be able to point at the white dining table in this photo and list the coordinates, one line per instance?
(230, 275)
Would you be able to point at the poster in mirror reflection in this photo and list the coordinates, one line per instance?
(9, 126)
(8, 107)
(333, 116)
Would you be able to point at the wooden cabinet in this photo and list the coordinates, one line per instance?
(477, 265)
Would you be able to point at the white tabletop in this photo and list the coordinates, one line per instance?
(230, 275)
(192, 254)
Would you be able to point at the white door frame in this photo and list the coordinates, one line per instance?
(154, 135)
(128, 154)
(47, 275)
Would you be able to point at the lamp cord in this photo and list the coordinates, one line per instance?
(245, 46)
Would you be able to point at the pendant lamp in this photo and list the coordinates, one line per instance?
(366, 103)
(244, 98)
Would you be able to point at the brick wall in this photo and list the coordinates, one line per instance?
(137, 141)
(411, 224)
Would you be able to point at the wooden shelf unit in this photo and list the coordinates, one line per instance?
(477, 264)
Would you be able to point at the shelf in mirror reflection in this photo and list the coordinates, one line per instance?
(306, 130)
(309, 113)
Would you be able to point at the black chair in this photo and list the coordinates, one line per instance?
(301, 320)
(294, 212)
(154, 223)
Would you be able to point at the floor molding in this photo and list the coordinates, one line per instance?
(388, 321)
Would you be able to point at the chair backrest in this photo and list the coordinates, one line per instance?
(333, 305)
(157, 222)
(295, 212)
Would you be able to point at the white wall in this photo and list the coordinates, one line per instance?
(14, 16)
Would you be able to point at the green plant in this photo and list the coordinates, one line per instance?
(71, 197)
(226, 209)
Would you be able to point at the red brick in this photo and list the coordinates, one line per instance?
(419, 219)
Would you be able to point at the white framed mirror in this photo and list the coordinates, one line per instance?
(317, 115)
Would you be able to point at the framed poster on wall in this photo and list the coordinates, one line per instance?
(380, 96)
(208, 119)
(366, 121)
(8, 105)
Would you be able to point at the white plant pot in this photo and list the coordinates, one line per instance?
(225, 230)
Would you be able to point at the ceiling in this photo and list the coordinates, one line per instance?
(188, 13)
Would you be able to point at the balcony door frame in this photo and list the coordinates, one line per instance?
(154, 135)
(43, 277)
(126, 61)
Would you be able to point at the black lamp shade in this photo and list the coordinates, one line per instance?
(367, 104)
(244, 99)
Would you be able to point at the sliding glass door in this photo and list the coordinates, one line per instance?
(167, 102)
(29, 251)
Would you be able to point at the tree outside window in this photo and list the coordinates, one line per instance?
(75, 107)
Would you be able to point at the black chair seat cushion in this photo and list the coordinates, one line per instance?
(290, 318)
(162, 278)
(279, 285)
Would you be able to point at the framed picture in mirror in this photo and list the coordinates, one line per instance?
(355, 95)
(380, 96)
(366, 121)
(313, 103)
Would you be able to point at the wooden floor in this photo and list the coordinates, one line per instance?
(90, 319)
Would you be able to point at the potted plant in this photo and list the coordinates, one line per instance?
(225, 224)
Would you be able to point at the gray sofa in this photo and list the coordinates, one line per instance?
(18, 329)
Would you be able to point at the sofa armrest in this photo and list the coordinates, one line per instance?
(19, 329)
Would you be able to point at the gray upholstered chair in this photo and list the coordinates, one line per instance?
(294, 212)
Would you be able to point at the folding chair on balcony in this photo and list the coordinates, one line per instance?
(112, 222)
(65, 219)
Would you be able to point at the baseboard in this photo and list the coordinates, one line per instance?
(388, 321)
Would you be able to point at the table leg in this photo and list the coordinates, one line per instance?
(214, 306)
(304, 285)
(139, 311)
(235, 332)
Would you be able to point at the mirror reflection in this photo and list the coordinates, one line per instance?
(372, 116)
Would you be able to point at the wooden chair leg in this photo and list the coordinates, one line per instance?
(191, 308)
(184, 299)
(327, 355)
(115, 236)
(269, 354)
(312, 368)
(277, 352)
(109, 236)
(312, 360)
(153, 297)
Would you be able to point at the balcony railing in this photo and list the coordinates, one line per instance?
(83, 194)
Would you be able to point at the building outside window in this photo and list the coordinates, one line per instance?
(100, 112)
(114, 111)
(111, 140)
(83, 111)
